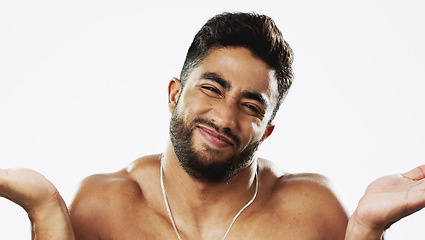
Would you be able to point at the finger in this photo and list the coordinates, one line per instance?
(26, 187)
(15, 176)
(5, 190)
(417, 173)
(3, 173)
(4, 177)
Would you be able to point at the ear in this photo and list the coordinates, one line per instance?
(174, 88)
(268, 132)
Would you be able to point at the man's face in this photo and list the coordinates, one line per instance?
(222, 114)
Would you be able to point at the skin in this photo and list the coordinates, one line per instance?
(40, 199)
(129, 204)
(387, 200)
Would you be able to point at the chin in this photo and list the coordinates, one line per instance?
(210, 166)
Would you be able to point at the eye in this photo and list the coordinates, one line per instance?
(211, 91)
(252, 109)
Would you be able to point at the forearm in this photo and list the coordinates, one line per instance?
(358, 231)
(51, 222)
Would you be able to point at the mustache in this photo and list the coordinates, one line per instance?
(225, 131)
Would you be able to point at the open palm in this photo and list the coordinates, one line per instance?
(390, 198)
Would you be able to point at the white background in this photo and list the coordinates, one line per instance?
(83, 89)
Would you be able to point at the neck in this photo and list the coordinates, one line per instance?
(205, 201)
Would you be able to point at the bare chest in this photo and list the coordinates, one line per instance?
(254, 226)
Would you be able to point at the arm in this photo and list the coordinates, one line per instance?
(40, 199)
(387, 200)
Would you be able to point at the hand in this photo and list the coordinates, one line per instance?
(41, 200)
(388, 199)
(27, 188)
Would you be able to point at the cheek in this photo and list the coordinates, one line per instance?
(253, 131)
(194, 104)
(258, 129)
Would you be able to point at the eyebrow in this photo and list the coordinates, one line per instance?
(216, 78)
(255, 96)
(226, 85)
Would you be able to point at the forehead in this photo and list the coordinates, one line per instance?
(241, 69)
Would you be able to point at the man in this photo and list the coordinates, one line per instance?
(209, 183)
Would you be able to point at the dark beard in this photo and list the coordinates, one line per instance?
(195, 163)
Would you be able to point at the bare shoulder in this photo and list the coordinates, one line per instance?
(104, 199)
(279, 181)
(308, 197)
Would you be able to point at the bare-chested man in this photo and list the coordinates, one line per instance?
(209, 183)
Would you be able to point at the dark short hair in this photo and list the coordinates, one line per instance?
(256, 32)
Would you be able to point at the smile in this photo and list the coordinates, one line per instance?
(215, 138)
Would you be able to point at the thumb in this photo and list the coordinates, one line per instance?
(417, 173)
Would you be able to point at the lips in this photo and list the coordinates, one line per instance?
(215, 138)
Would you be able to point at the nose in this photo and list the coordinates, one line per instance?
(224, 115)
